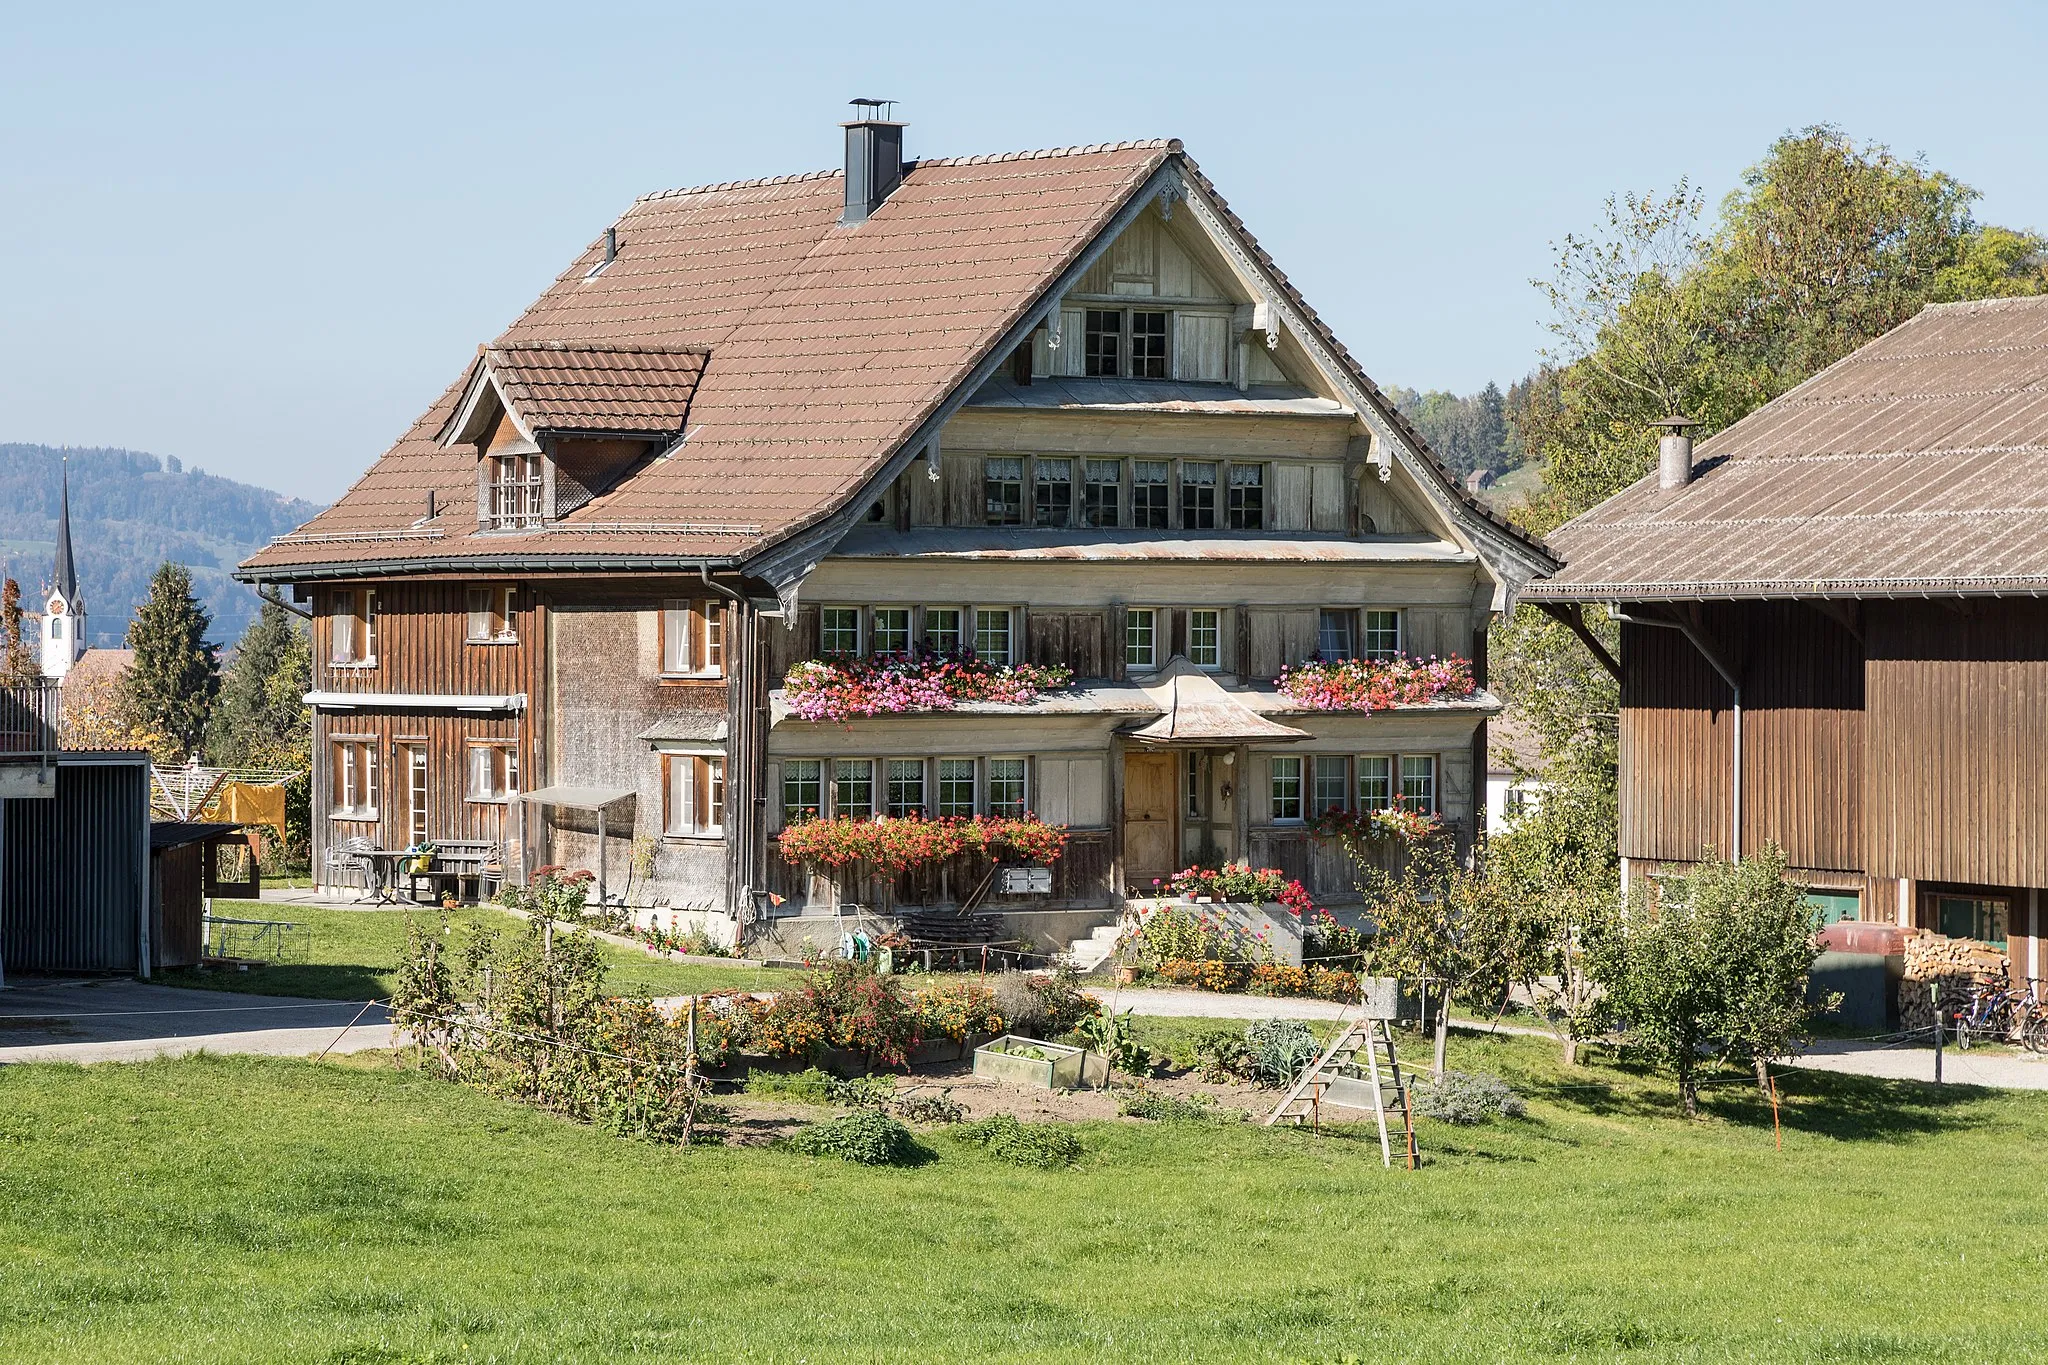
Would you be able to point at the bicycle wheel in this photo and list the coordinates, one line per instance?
(2034, 1033)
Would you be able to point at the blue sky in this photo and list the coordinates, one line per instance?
(263, 238)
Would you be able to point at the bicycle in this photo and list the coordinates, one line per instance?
(1999, 1012)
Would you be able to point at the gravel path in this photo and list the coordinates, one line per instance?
(2004, 1071)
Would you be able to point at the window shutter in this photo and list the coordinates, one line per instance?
(1067, 360)
(700, 658)
(707, 817)
(1175, 620)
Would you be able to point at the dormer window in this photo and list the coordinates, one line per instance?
(513, 487)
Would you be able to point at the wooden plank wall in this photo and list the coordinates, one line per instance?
(1802, 738)
(1957, 741)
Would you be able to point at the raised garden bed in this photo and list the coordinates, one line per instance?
(1016, 1060)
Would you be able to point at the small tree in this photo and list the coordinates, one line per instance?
(1764, 946)
(1451, 925)
(171, 685)
(1664, 987)
(18, 663)
(261, 720)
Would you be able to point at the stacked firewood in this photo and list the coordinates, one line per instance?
(1955, 964)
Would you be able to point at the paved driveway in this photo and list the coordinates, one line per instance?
(130, 1021)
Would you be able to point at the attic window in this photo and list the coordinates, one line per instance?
(512, 491)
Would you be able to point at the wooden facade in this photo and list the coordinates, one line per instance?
(1896, 751)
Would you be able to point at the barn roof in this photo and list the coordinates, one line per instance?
(1915, 465)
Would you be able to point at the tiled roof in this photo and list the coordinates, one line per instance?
(586, 387)
(829, 345)
(1917, 464)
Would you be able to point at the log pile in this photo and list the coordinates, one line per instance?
(1956, 964)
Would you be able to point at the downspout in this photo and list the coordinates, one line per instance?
(269, 593)
(1708, 653)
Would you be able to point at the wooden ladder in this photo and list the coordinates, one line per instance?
(1381, 1070)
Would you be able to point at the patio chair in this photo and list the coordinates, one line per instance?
(345, 864)
(490, 873)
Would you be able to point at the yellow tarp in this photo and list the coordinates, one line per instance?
(242, 803)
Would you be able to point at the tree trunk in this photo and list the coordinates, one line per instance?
(1571, 1051)
(1443, 1033)
(1763, 1076)
(1688, 1093)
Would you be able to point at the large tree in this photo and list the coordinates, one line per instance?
(260, 719)
(170, 687)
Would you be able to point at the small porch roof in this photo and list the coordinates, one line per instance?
(1196, 710)
(579, 798)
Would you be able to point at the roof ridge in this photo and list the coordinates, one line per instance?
(608, 347)
(1170, 144)
(2009, 301)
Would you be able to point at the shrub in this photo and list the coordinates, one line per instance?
(957, 1012)
(1279, 1050)
(866, 1136)
(1066, 1005)
(928, 1108)
(1112, 1035)
(842, 1004)
(1323, 939)
(1219, 1055)
(1205, 974)
(1466, 1097)
(1274, 978)
(1150, 1104)
(1334, 983)
(1043, 1145)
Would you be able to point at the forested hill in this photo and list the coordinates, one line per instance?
(129, 513)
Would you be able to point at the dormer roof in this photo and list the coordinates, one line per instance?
(579, 388)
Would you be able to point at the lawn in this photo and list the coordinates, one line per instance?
(354, 955)
(243, 1209)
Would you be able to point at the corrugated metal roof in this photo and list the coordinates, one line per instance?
(1915, 465)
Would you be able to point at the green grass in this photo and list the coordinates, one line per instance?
(242, 1209)
(354, 956)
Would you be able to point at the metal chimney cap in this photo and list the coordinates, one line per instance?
(1676, 423)
(888, 107)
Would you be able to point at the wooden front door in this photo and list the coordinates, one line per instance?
(1150, 811)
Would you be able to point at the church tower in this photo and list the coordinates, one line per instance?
(64, 612)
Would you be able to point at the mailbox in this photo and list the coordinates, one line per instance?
(1025, 881)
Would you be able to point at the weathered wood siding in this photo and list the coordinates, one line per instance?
(1802, 738)
(1957, 741)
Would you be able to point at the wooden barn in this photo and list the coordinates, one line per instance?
(1834, 635)
(1051, 407)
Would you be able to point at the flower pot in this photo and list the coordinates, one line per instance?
(1127, 976)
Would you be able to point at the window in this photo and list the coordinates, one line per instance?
(1149, 494)
(1198, 496)
(1102, 498)
(1003, 482)
(1247, 497)
(355, 779)
(1333, 636)
(1205, 638)
(1382, 634)
(1979, 917)
(352, 627)
(1329, 792)
(803, 794)
(1418, 784)
(942, 629)
(512, 491)
(1286, 788)
(853, 788)
(956, 787)
(1831, 907)
(1192, 771)
(692, 638)
(416, 793)
(1103, 345)
(992, 635)
(1148, 345)
(695, 800)
(1052, 492)
(1141, 647)
(490, 616)
(906, 786)
(1375, 782)
(839, 632)
(1006, 787)
(892, 630)
(493, 772)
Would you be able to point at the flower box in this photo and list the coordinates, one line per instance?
(899, 684)
(1017, 1060)
(1368, 685)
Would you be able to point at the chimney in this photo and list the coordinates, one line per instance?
(874, 158)
(611, 244)
(1674, 451)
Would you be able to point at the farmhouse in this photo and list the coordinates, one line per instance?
(1053, 416)
(1833, 633)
